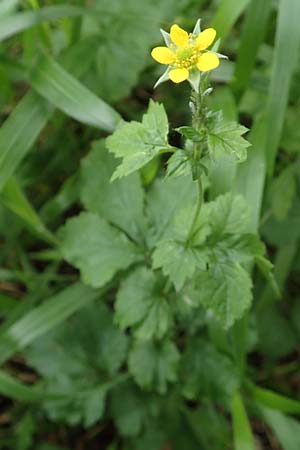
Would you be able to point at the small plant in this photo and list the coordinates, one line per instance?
(179, 263)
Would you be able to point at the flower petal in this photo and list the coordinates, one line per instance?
(179, 36)
(163, 55)
(178, 75)
(206, 38)
(208, 61)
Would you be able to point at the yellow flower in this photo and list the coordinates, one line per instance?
(186, 54)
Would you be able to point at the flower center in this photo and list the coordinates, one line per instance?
(186, 57)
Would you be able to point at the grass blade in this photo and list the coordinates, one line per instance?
(12, 388)
(253, 34)
(19, 132)
(243, 437)
(13, 198)
(44, 317)
(64, 91)
(285, 59)
(285, 428)
(273, 400)
(226, 15)
(21, 21)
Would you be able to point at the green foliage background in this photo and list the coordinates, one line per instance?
(108, 339)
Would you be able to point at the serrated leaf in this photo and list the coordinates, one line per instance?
(240, 248)
(228, 215)
(154, 364)
(190, 133)
(94, 404)
(178, 165)
(178, 256)
(128, 409)
(83, 355)
(225, 139)
(206, 372)
(138, 143)
(165, 199)
(97, 249)
(179, 261)
(225, 291)
(141, 304)
(120, 202)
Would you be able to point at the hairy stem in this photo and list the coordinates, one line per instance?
(197, 211)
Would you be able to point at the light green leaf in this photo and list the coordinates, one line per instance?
(243, 437)
(64, 91)
(141, 304)
(228, 215)
(225, 291)
(120, 202)
(154, 364)
(164, 201)
(225, 139)
(138, 143)
(179, 261)
(97, 249)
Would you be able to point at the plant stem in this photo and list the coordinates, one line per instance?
(197, 211)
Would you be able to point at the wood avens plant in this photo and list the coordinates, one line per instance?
(174, 263)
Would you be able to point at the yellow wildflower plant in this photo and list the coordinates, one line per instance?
(186, 54)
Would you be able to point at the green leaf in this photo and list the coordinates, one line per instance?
(84, 354)
(20, 131)
(65, 92)
(226, 139)
(283, 191)
(164, 201)
(285, 428)
(226, 15)
(43, 318)
(140, 303)
(13, 198)
(178, 165)
(253, 34)
(154, 364)
(21, 21)
(128, 409)
(284, 64)
(228, 214)
(207, 373)
(273, 400)
(120, 202)
(225, 291)
(243, 436)
(179, 261)
(135, 25)
(94, 405)
(96, 248)
(138, 143)
(190, 133)
(14, 389)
